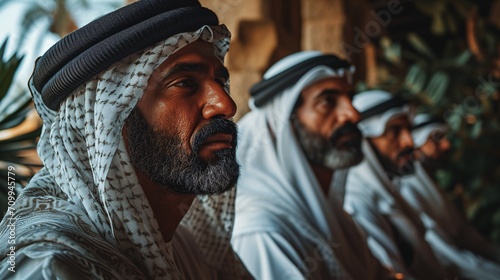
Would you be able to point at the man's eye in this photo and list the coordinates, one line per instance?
(394, 131)
(185, 83)
(327, 101)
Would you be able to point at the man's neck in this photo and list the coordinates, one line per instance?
(169, 208)
(324, 176)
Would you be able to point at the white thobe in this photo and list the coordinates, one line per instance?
(373, 201)
(453, 240)
(285, 227)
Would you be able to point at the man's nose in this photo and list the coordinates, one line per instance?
(347, 112)
(445, 144)
(405, 138)
(218, 102)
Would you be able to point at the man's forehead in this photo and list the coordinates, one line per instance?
(198, 56)
(331, 84)
(191, 52)
(399, 120)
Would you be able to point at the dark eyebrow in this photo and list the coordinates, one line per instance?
(329, 91)
(336, 92)
(194, 67)
(185, 67)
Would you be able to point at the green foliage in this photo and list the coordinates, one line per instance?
(457, 82)
(14, 150)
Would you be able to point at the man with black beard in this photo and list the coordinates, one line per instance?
(162, 158)
(453, 239)
(294, 147)
(138, 149)
(395, 234)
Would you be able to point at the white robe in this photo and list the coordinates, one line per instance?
(450, 236)
(285, 227)
(373, 201)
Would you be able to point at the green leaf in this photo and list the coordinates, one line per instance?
(462, 59)
(416, 78)
(437, 86)
(16, 117)
(3, 47)
(27, 136)
(418, 44)
(476, 129)
(7, 77)
(438, 26)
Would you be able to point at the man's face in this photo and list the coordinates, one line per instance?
(435, 151)
(180, 134)
(395, 147)
(325, 124)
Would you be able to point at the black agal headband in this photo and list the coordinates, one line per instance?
(93, 48)
(265, 90)
(382, 107)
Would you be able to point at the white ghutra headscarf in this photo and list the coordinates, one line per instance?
(278, 191)
(85, 210)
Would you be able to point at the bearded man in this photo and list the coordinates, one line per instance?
(138, 151)
(294, 148)
(394, 232)
(453, 240)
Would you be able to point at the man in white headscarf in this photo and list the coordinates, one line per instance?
(395, 234)
(453, 240)
(294, 147)
(138, 151)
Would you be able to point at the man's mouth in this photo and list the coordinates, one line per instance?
(218, 142)
(405, 156)
(348, 136)
(345, 133)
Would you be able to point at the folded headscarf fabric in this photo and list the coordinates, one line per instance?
(376, 108)
(285, 227)
(89, 50)
(423, 126)
(281, 75)
(373, 200)
(453, 240)
(450, 236)
(84, 215)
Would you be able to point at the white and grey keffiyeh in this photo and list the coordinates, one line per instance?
(85, 211)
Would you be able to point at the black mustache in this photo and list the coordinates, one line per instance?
(345, 129)
(215, 127)
(406, 152)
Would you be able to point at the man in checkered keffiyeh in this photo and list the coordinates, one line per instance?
(138, 151)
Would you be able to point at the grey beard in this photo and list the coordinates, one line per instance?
(319, 150)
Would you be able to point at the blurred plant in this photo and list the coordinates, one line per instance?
(58, 13)
(19, 131)
(460, 81)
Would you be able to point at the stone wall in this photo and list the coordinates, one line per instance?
(262, 31)
(323, 23)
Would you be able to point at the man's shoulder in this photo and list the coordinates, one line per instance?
(51, 260)
(265, 220)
